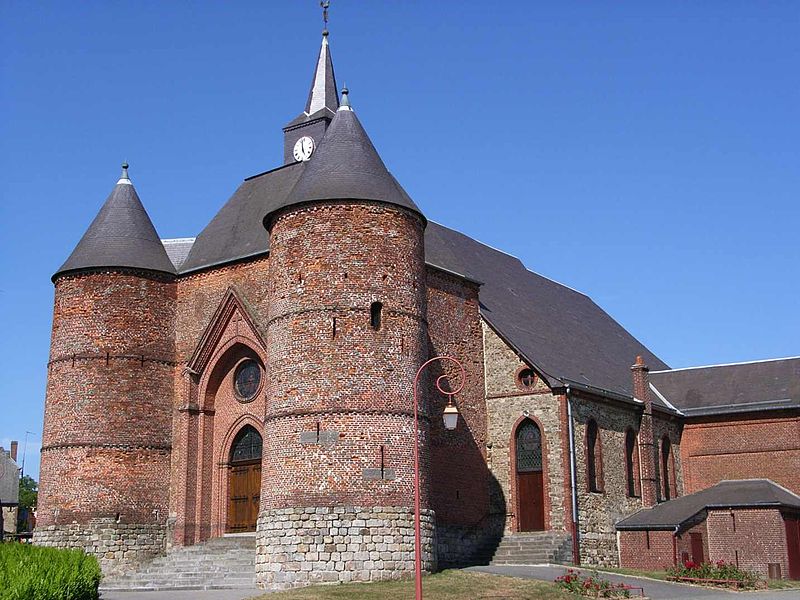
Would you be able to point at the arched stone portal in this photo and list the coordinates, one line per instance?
(244, 480)
(528, 465)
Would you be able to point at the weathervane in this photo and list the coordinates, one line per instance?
(325, 4)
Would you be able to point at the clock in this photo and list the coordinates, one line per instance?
(303, 148)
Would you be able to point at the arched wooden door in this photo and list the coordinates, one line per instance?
(530, 479)
(244, 480)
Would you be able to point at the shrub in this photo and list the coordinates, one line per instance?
(34, 573)
(718, 570)
(593, 585)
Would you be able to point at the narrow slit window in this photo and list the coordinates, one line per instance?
(375, 315)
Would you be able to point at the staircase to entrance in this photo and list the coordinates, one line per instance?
(531, 548)
(221, 563)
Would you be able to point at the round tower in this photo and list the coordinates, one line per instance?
(346, 333)
(107, 424)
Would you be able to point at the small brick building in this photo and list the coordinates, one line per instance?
(258, 378)
(752, 523)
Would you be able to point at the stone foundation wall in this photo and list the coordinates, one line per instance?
(308, 545)
(461, 546)
(119, 547)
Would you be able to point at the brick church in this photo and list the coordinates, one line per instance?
(257, 380)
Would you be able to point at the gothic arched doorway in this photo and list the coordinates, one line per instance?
(529, 474)
(244, 480)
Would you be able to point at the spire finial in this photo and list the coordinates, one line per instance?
(325, 5)
(124, 179)
(345, 104)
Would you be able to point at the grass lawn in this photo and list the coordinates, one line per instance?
(447, 585)
(773, 584)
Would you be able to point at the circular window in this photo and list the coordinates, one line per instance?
(526, 378)
(247, 380)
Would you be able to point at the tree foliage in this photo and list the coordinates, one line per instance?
(28, 492)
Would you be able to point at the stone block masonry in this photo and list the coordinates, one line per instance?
(119, 547)
(307, 545)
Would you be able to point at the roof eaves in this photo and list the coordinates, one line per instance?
(729, 409)
(220, 263)
(454, 273)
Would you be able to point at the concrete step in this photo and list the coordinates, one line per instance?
(532, 548)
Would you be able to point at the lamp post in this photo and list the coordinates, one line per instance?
(450, 417)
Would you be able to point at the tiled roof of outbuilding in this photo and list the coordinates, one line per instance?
(726, 494)
(722, 389)
(121, 235)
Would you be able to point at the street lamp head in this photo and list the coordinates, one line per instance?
(450, 417)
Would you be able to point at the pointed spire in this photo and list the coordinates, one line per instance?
(323, 96)
(121, 235)
(346, 166)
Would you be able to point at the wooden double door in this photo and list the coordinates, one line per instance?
(244, 481)
(529, 477)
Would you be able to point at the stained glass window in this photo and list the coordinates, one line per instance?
(246, 445)
(247, 379)
(527, 378)
(529, 447)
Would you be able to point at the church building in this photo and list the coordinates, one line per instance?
(256, 382)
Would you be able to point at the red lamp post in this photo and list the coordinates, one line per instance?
(450, 417)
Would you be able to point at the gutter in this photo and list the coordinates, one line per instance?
(573, 480)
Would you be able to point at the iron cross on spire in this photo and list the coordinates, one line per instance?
(325, 5)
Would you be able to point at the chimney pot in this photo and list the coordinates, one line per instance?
(14, 445)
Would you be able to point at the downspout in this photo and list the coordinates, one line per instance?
(573, 479)
(675, 546)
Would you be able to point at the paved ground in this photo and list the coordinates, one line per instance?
(657, 590)
(183, 595)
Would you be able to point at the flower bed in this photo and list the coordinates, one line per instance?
(719, 574)
(594, 586)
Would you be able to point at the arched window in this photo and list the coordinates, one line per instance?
(246, 445)
(667, 470)
(631, 463)
(375, 310)
(529, 447)
(594, 457)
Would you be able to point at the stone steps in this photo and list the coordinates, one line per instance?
(221, 563)
(533, 548)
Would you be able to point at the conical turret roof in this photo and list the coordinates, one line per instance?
(121, 235)
(346, 166)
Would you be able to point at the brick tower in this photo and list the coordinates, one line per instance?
(346, 332)
(107, 424)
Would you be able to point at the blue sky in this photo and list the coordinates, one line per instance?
(645, 153)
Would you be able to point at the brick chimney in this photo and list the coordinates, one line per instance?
(647, 445)
(14, 445)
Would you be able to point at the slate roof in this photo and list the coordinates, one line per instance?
(690, 509)
(323, 97)
(733, 388)
(121, 235)
(558, 330)
(178, 250)
(563, 333)
(346, 166)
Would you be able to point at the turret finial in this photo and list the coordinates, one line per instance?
(345, 104)
(124, 179)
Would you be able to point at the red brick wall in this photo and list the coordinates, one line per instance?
(107, 428)
(749, 538)
(459, 474)
(332, 261)
(646, 550)
(741, 447)
(221, 319)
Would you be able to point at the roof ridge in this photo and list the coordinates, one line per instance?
(733, 364)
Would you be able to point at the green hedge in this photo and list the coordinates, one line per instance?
(34, 573)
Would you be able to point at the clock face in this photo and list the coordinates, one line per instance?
(303, 148)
